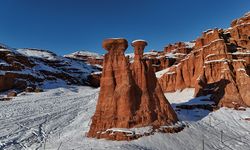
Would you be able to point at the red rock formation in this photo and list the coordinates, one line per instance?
(240, 31)
(218, 65)
(114, 107)
(153, 107)
(128, 97)
(179, 47)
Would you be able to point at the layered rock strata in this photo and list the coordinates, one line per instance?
(218, 64)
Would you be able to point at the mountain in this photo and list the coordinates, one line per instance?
(22, 68)
(86, 56)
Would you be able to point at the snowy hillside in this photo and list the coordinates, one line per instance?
(59, 119)
(83, 55)
(36, 53)
(73, 68)
(32, 67)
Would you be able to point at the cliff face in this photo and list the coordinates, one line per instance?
(130, 96)
(218, 64)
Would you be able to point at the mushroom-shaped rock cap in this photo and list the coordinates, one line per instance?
(139, 43)
(115, 44)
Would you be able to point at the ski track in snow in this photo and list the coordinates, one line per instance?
(59, 119)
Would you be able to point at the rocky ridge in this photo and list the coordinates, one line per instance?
(218, 64)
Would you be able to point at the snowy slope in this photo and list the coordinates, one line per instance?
(46, 65)
(82, 55)
(61, 117)
(43, 54)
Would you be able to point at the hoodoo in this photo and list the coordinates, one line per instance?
(116, 95)
(152, 106)
(130, 96)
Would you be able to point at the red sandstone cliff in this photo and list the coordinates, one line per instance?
(218, 64)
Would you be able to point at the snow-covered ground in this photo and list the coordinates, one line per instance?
(59, 119)
(186, 97)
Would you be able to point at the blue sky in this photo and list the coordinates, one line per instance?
(64, 26)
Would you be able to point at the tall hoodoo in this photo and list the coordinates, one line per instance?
(152, 106)
(116, 95)
(130, 96)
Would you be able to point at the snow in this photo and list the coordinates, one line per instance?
(42, 66)
(84, 53)
(139, 40)
(131, 55)
(62, 116)
(145, 54)
(208, 30)
(159, 74)
(150, 53)
(29, 118)
(247, 14)
(180, 96)
(190, 44)
(3, 63)
(214, 61)
(5, 50)
(242, 24)
(210, 55)
(43, 54)
(119, 38)
(241, 53)
(170, 55)
(223, 60)
(213, 42)
(132, 131)
(97, 72)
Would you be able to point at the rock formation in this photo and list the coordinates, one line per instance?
(114, 107)
(218, 64)
(152, 105)
(130, 95)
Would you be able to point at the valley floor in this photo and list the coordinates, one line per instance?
(59, 119)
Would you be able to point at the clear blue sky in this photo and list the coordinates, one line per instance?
(65, 26)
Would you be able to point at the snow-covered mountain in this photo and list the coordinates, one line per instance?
(20, 68)
(83, 55)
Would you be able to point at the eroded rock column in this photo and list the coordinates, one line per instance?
(152, 108)
(116, 94)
